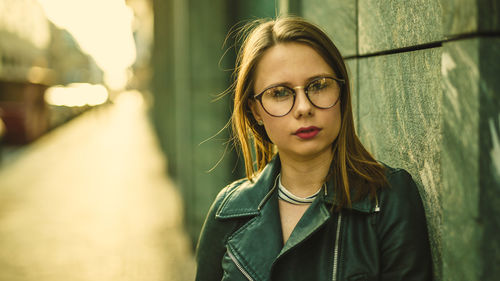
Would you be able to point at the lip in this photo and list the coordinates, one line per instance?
(307, 132)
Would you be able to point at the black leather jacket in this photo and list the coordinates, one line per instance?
(241, 238)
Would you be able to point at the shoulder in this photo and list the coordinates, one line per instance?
(243, 198)
(401, 200)
(401, 186)
(211, 242)
(223, 196)
(214, 231)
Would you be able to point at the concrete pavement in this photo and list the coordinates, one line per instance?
(90, 201)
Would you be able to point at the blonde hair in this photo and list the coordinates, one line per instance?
(351, 161)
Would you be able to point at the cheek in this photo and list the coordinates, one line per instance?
(334, 119)
(338, 117)
(275, 129)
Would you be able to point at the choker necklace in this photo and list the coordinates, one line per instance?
(287, 196)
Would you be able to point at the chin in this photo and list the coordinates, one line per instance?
(315, 150)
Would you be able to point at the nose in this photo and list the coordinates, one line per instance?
(302, 106)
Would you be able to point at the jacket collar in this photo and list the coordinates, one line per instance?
(247, 198)
(365, 205)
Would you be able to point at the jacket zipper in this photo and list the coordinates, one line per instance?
(336, 251)
(238, 265)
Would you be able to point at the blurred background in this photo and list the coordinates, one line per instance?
(110, 151)
(113, 138)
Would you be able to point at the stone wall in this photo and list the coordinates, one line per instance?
(427, 99)
(191, 70)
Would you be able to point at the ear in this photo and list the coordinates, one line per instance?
(254, 107)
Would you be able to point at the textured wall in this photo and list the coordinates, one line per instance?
(426, 98)
(190, 71)
(470, 158)
(399, 121)
(187, 78)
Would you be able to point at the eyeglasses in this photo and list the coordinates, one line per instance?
(322, 92)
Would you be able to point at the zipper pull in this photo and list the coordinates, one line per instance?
(377, 206)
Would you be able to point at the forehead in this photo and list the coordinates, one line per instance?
(289, 63)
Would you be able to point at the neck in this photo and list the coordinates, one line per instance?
(304, 176)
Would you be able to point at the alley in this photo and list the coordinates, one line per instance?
(90, 201)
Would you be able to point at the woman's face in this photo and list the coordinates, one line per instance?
(306, 131)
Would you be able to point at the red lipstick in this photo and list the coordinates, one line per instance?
(307, 132)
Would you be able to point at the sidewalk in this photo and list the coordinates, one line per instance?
(90, 201)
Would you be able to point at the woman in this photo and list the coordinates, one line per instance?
(319, 206)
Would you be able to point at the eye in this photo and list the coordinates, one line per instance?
(278, 93)
(319, 84)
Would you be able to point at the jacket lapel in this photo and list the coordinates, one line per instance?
(314, 217)
(318, 213)
(249, 197)
(258, 242)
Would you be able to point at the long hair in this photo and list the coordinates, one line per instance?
(354, 169)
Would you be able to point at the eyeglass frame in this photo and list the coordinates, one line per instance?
(338, 80)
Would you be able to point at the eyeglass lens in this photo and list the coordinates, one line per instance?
(322, 93)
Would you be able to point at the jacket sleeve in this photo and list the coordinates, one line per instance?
(211, 244)
(402, 232)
